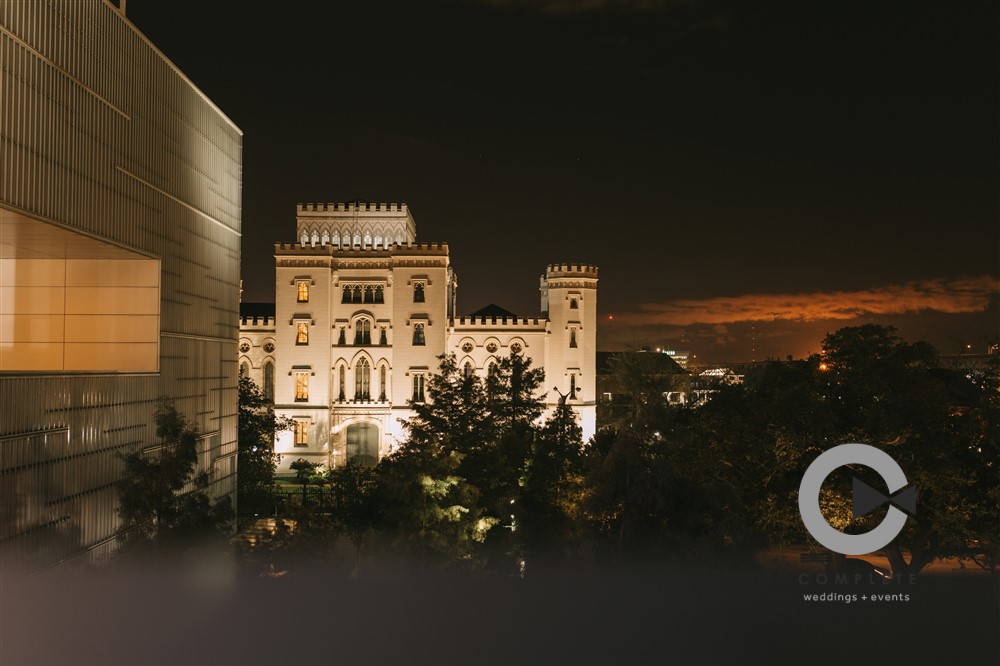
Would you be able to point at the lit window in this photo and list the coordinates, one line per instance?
(302, 334)
(362, 381)
(301, 432)
(418, 334)
(418, 388)
(303, 291)
(572, 337)
(301, 386)
(418, 292)
(269, 381)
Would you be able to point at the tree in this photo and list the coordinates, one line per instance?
(153, 508)
(304, 473)
(546, 511)
(256, 459)
(356, 514)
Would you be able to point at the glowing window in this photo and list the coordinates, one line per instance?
(301, 432)
(303, 295)
(301, 386)
(302, 333)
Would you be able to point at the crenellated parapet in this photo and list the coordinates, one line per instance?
(500, 323)
(350, 207)
(571, 271)
(257, 322)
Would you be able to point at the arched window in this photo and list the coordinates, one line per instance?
(303, 291)
(325, 240)
(572, 337)
(369, 294)
(315, 238)
(382, 340)
(269, 380)
(301, 386)
(347, 294)
(381, 384)
(572, 387)
(302, 333)
(304, 238)
(342, 340)
(418, 292)
(362, 444)
(362, 332)
(245, 369)
(335, 239)
(357, 238)
(379, 294)
(362, 381)
(368, 238)
(418, 388)
(467, 370)
(572, 304)
(418, 334)
(378, 240)
(356, 294)
(342, 376)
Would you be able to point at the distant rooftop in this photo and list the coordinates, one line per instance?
(493, 310)
(664, 363)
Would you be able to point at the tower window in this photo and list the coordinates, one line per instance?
(381, 384)
(369, 294)
(418, 292)
(379, 294)
(342, 340)
(301, 432)
(572, 387)
(342, 376)
(301, 386)
(418, 388)
(303, 292)
(362, 381)
(382, 340)
(572, 338)
(269, 381)
(418, 335)
(302, 333)
(572, 304)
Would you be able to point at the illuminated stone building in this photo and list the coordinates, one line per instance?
(362, 311)
(120, 187)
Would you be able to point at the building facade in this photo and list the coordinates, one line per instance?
(361, 313)
(120, 191)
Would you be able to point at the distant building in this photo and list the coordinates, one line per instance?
(119, 271)
(674, 380)
(362, 312)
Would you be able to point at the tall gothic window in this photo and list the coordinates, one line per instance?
(342, 340)
(418, 334)
(381, 336)
(269, 380)
(381, 384)
(302, 333)
(362, 381)
(303, 292)
(418, 292)
(362, 444)
(245, 369)
(379, 294)
(342, 376)
(572, 387)
(369, 294)
(347, 294)
(572, 337)
(418, 388)
(363, 332)
(301, 432)
(467, 370)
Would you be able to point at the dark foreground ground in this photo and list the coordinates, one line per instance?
(211, 616)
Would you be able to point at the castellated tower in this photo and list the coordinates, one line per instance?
(569, 302)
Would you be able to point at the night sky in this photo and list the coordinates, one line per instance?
(804, 166)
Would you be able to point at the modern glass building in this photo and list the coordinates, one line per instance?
(119, 271)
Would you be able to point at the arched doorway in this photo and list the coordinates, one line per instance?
(362, 444)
